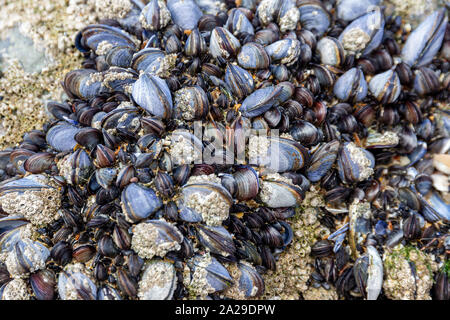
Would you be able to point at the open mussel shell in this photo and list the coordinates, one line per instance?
(280, 155)
(364, 34)
(184, 13)
(351, 86)
(43, 284)
(155, 15)
(153, 95)
(253, 56)
(279, 194)
(313, 16)
(75, 283)
(139, 202)
(322, 160)
(217, 239)
(385, 87)
(424, 42)
(158, 281)
(61, 137)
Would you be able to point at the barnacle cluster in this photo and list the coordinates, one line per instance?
(202, 149)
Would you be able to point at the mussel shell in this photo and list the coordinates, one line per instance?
(164, 288)
(368, 31)
(313, 16)
(155, 15)
(238, 23)
(351, 86)
(61, 137)
(281, 194)
(191, 103)
(108, 293)
(217, 239)
(184, 13)
(286, 51)
(385, 87)
(95, 36)
(354, 166)
(239, 80)
(139, 202)
(195, 44)
(120, 56)
(223, 44)
(251, 283)
(349, 10)
(260, 101)
(322, 160)
(39, 162)
(253, 56)
(247, 183)
(43, 284)
(424, 42)
(330, 51)
(283, 155)
(76, 285)
(153, 95)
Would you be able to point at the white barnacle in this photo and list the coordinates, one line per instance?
(164, 17)
(195, 279)
(204, 178)
(31, 257)
(258, 146)
(182, 151)
(289, 20)
(103, 48)
(359, 157)
(158, 281)
(213, 208)
(38, 205)
(16, 289)
(355, 40)
(184, 103)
